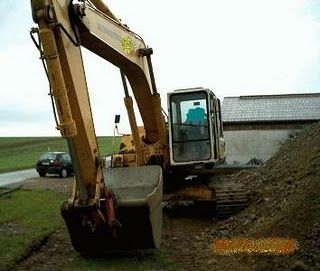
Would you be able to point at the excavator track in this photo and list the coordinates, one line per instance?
(231, 198)
(219, 198)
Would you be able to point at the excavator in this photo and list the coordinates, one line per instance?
(119, 206)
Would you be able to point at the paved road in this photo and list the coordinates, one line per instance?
(17, 176)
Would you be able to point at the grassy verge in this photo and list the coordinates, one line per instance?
(23, 152)
(26, 218)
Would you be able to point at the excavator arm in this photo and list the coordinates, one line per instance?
(63, 28)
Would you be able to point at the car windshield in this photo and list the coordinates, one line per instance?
(48, 156)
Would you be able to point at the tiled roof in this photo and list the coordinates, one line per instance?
(288, 107)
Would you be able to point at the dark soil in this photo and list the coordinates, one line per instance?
(285, 203)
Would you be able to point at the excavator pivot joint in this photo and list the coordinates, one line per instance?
(47, 13)
(79, 10)
(145, 51)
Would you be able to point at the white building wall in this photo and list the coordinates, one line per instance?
(244, 145)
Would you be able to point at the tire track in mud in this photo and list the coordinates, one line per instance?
(52, 255)
(186, 242)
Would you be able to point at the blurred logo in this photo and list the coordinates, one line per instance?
(127, 45)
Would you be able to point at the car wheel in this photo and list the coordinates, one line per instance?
(63, 173)
(42, 173)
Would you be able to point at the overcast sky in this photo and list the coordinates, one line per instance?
(234, 47)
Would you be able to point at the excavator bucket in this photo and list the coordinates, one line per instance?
(138, 197)
(138, 194)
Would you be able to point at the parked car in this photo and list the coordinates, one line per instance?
(55, 163)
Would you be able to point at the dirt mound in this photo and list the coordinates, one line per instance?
(285, 203)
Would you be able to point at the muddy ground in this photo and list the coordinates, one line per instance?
(284, 202)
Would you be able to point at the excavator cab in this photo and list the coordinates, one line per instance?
(195, 127)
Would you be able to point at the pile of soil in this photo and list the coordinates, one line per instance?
(285, 194)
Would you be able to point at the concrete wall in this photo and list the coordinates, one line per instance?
(245, 145)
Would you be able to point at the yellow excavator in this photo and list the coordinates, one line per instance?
(120, 206)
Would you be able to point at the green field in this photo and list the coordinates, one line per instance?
(22, 152)
(26, 217)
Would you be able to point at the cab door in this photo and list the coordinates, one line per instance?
(190, 127)
(214, 125)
